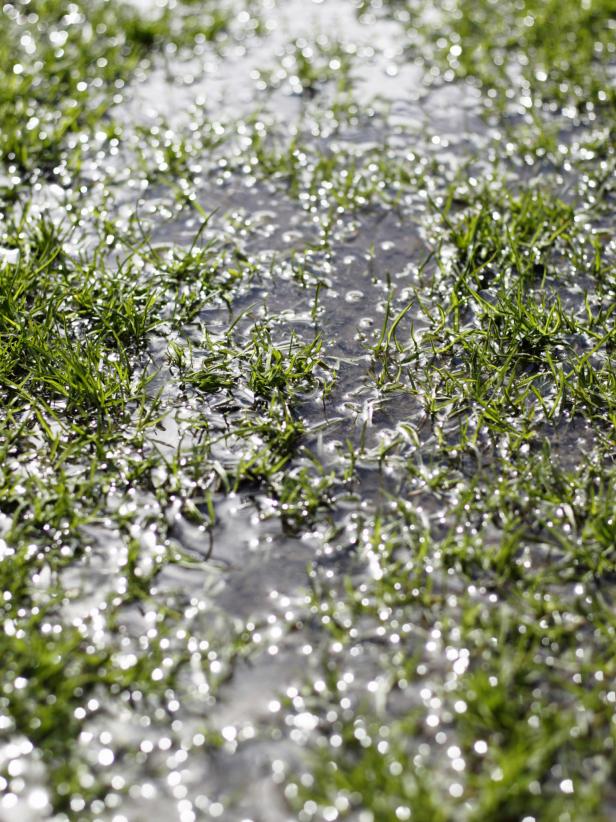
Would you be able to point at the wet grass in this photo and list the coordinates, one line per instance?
(509, 44)
(513, 50)
(167, 365)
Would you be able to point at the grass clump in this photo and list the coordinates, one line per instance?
(264, 434)
(66, 331)
(505, 350)
(64, 68)
(532, 54)
(496, 705)
(553, 52)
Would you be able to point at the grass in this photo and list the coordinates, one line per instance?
(517, 679)
(86, 55)
(268, 430)
(175, 414)
(507, 44)
(503, 352)
(511, 50)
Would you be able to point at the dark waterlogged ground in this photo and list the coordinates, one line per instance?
(307, 408)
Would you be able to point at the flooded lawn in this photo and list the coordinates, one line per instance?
(307, 410)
